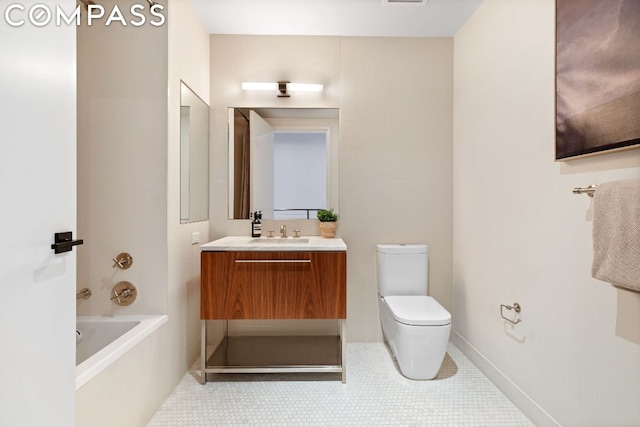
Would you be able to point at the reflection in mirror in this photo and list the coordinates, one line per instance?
(283, 162)
(194, 157)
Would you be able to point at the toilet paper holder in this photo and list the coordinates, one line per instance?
(516, 307)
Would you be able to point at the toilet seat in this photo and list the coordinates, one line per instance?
(417, 310)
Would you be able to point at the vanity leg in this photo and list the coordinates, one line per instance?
(203, 351)
(343, 348)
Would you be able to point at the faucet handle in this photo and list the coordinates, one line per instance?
(124, 293)
(123, 261)
(296, 233)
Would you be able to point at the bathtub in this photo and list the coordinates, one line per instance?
(100, 341)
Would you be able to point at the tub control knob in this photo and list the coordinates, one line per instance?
(123, 261)
(124, 293)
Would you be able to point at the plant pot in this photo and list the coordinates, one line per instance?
(328, 228)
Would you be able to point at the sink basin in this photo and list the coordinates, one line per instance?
(278, 240)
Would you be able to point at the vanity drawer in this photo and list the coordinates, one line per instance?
(273, 285)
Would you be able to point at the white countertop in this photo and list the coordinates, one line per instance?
(302, 243)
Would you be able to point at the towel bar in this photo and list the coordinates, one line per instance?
(588, 190)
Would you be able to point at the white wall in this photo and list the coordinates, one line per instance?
(129, 162)
(395, 162)
(122, 195)
(188, 60)
(520, 235)
(122, 163)
(37, 184)
(395, 100)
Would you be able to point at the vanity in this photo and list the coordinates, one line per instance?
(265, 278)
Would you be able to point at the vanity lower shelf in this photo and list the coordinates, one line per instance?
(276, 354)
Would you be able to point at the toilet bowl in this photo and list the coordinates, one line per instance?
(415, 326)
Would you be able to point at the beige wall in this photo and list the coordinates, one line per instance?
(520, 235)
(395, 100)
(122, 164)
(189, 62)
(122, 198)
(129, 180)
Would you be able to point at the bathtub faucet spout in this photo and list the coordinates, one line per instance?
(84, 293)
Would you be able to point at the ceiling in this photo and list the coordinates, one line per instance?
(435, 18)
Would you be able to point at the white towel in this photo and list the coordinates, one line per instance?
(616, 233)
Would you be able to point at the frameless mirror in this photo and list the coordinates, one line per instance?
(283, 162)
(194, 157)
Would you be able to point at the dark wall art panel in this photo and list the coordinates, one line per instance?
(597, 76)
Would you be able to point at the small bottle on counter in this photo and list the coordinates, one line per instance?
(256, 225)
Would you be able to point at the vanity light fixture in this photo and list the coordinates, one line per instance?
(282, 88)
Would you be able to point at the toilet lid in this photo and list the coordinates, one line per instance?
(418, 310)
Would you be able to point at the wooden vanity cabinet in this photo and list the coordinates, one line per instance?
(273, 285)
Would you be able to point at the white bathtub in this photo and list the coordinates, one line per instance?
(106, 339)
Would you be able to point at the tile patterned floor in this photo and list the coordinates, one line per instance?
(375, 395)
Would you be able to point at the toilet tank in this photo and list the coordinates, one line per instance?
(402, 269)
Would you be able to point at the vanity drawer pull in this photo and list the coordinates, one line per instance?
(273, 260)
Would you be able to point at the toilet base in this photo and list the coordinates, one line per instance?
(419, 350)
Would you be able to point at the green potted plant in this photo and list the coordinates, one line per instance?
(328, 222)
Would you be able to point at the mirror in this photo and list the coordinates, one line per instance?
(194, 157)
(283, 162)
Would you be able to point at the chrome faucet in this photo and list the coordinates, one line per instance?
(283, 230)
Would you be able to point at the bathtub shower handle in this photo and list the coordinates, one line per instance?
(123, 261)
(124, 293)
(516, 307)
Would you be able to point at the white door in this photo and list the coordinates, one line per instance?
(261, 137)
(38, 199)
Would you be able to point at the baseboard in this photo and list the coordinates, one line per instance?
(528, 407)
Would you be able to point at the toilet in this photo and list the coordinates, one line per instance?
(415, 326)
